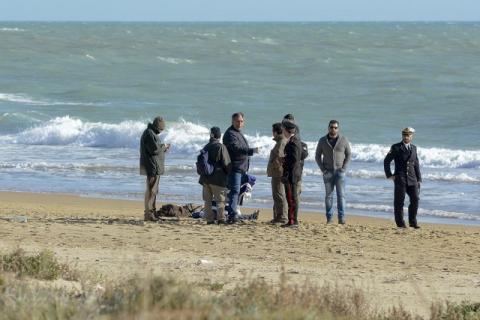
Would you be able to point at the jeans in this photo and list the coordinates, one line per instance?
(335, 179)
(234, 182)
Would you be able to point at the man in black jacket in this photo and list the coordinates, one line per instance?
(407, 177)
(152, 164)
(292, 172)
(239, 152)
(214, 185)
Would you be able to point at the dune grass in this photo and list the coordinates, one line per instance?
(159, 297)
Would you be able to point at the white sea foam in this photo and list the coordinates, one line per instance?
(90, 57)
(421, 212)
(175, 60)
(25, 99)
(187, 138)
(12, 30)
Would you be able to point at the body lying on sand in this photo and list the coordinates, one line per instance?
(223, 167)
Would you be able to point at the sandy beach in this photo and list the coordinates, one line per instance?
(408, 267)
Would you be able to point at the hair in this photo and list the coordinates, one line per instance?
(216, 132)
(277, 128)
(333, 122)
(158, 120)
(237, 114)
(289, 116)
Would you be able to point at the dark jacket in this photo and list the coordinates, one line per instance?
(238, 149)
(152, 153)
(218, 156)
(407, 167)
(292, 165)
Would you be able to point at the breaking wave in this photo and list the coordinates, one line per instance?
(187, 138)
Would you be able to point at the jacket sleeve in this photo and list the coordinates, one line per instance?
(152, 147)
(318, 155)
(235, 146)
(226, 162)
(417, 167)
(386, 163)
(348, 155)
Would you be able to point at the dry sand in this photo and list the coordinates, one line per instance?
(408, 267)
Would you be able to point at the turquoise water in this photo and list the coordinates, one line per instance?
(75, 97)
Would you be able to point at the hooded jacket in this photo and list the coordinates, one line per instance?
(152, 153)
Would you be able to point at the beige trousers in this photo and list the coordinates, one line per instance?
(217, 194)
(151, 191)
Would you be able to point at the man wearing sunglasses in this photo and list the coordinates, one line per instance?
(333, 155)
(407, 177)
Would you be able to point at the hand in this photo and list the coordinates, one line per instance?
(391, 178)
(167, 147)
(256, 150)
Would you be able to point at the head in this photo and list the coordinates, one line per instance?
(289, 128)
(289, 117)
(407, 135)
(237, 120)
(159, 124)
(333, 128)
(277, 129)
(215, 133)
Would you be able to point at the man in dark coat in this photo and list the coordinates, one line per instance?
(407, 177)
(240, 153)
(292, 172)
(214, 185)
(152, 164)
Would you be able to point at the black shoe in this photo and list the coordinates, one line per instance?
(290, 225)
(210, 222)
(341, 222)
(221, 222)
(255, 214)
(415, 226)
(402, 226)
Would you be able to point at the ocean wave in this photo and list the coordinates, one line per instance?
(25, 99)
(368, 174)
(188, 138)
(175, 60)
(11, 30)
(421, 212)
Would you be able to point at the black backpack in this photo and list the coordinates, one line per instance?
(204, 167)
(304, 151)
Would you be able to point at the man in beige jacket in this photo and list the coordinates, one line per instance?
(275, 170)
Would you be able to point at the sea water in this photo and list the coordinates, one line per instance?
(75, 98)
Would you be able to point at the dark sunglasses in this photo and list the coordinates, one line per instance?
(334, 128)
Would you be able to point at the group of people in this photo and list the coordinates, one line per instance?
(229, 159)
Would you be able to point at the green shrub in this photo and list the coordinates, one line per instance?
(42, 265)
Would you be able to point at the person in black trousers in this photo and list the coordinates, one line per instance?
(407, 177)
(292, 172)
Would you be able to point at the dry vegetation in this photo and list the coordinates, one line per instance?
(22, 296)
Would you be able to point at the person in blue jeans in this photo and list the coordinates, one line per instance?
(240, 152)
(333, 155)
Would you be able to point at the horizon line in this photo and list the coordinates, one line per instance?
(248, 21)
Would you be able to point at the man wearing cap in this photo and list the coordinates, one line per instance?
(214, 185)
(407, 177)
(333, 156)
(240, 153)
(152, 164)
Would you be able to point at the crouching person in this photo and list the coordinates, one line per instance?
(213, 167)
